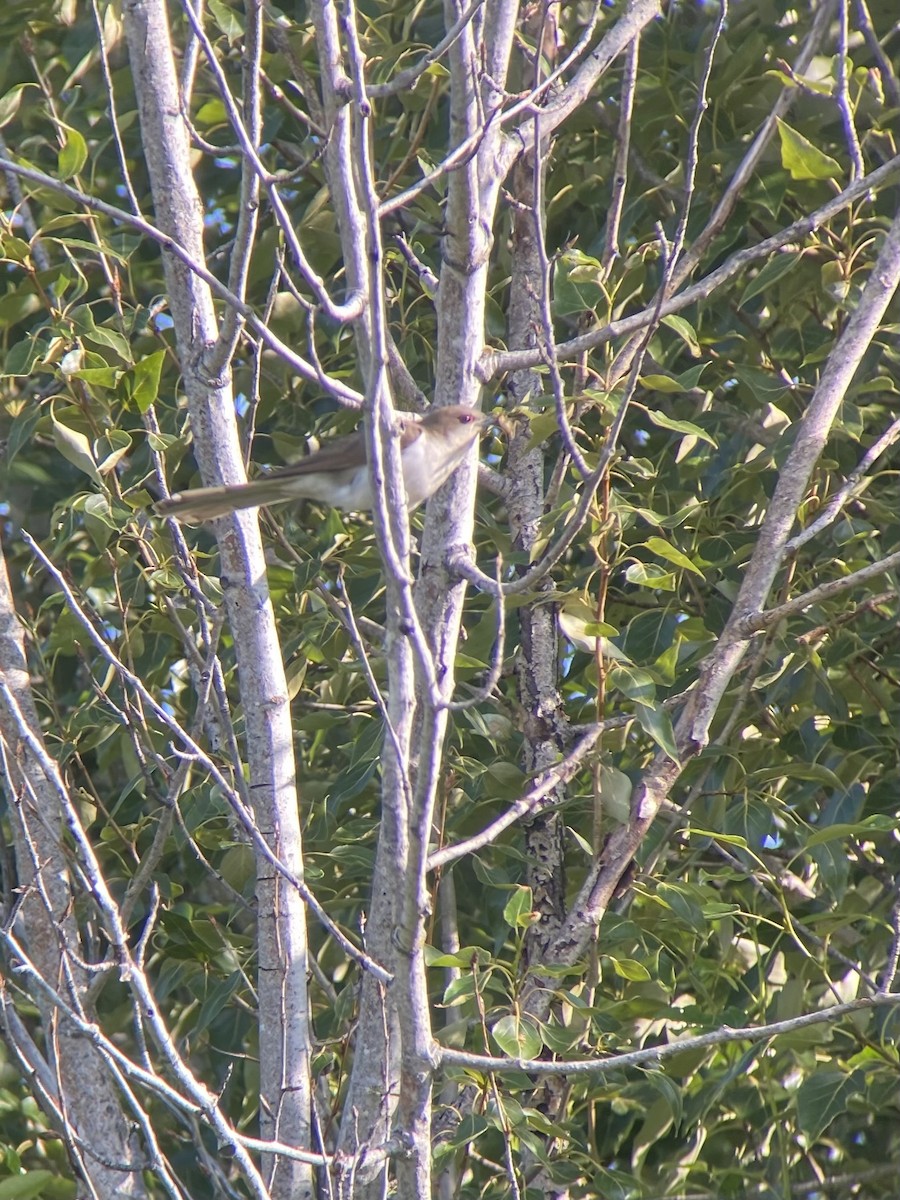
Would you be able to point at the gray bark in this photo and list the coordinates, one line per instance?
(74, 1083)
(283, 1008)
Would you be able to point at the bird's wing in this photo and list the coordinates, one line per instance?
(343, 453)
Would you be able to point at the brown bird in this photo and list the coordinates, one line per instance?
(431, 448)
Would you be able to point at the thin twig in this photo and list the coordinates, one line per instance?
(842, 95)
(113, 113)
(854, 484)
(339, 390)
(620, 168)
(235, 801)
(885, 67)
(501, 362)
(404, 80)
(486, 689)
(352, 307)
(652, 1055)
(753, 622)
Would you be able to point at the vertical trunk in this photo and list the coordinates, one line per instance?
(283, 1007)
(84, 1103)
(537, 663)
(537, 660)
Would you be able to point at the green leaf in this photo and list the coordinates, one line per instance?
(811, 771)
(822, 1098)
(795, 81)
(219, 996)
(577, 284)
(508, 777)
(212, 113)
(660, 383)
(581, 627)
(16, 249)
(24, 355)
(650, 634)
(98, 377)
(517, 1036)
(685, 331)
(656, 1123)
(686, 427)
(684, 382)
(519, 912)
(727, 839)
(98, 508)
(662, 520)
(615, 794)
(75, 447)
(10, 101)
(844, 830)
(73, 154)
(146, 373)
(776, 268)
(650, 576)
(84, 325)
(465, 958)
(111, 448)
(633, 682)
(629, 968)
(471, 1127)
(458, 991)
(681, 900)
(655, 721)
(163, 441)
(718, 911)
(662, 549)
(802, 158)
(26, 1186)
(72, 243)
(542, 426)
(227, 20)
(21, 429)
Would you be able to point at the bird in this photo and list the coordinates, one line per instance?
(431, 448)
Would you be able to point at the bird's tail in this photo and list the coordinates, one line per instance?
(205, 504)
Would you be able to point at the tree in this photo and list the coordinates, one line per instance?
(542, 844)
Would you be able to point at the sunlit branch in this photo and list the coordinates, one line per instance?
(620, 170)
(754, 622)
(497, 362)
(352, 307)
(600, 1067)
(341, 392)
(854, 484)
(245, 816)
(842, 93)
(404, 80)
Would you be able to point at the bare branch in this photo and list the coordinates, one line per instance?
(842, 94)
(248, 198)
(340, 391)
(725, 207)
(597, 1068)
(245, 815)
(639, 14)
(623, 143)
(855, 483)
(810, 438)
(352, 307)
(886, 70)
(496, 362)
(754, 622)
(404, 80)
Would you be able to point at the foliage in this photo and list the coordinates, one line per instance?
(765, 888)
